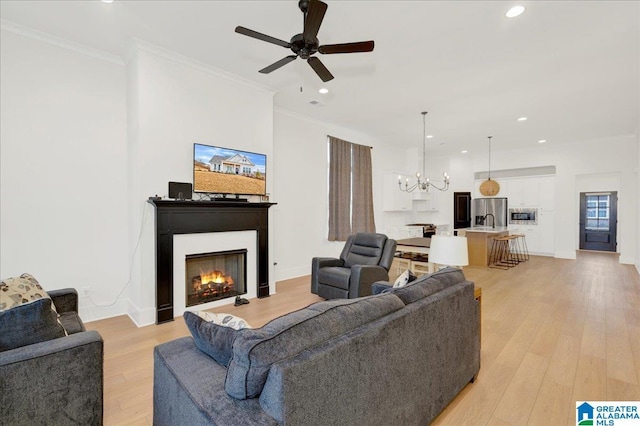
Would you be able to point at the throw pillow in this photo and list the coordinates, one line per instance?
(214, 334)
(27, 314)
(405, 278)
(21, 290)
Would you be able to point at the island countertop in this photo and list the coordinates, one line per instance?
(485, 229)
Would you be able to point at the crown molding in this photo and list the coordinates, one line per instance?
(137, 44)
(59, 42)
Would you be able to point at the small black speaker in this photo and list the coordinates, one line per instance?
(180, 190)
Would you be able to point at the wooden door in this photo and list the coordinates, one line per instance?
(461, 210)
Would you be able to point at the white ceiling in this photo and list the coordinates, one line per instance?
(571, 67)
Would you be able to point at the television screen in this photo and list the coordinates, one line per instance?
(228, 171)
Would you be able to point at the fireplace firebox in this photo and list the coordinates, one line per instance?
(215, 276)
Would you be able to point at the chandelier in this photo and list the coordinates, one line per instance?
(423, 183)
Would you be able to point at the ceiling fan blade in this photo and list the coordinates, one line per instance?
(263, 37)
(320, 69)
(315, 15)
(360, 46)
(276, 65)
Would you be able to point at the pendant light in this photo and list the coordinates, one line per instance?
(489, 187)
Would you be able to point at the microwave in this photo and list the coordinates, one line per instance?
(523, 216)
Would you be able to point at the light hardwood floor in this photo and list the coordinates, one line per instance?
(554, 332)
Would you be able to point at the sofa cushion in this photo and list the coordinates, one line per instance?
(27, 315)
(335, 276)
(214, 333)
(254, 351)
(71, 322)
(427, 285)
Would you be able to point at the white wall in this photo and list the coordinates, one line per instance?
(63, 175)
(175, 102)
(300, 189)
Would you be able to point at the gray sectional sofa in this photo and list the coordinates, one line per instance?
(394, 358)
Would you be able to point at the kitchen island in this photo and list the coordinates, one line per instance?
(479, 239)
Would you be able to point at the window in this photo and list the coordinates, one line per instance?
(350, 190)
(597, 212)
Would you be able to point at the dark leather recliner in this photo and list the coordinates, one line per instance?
(365, 259)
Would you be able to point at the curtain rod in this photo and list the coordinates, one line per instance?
(368, 146)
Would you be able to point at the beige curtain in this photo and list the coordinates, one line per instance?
(339, 189)
(350, 190)
(362, 198)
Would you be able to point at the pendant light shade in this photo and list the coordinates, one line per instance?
(489, 188)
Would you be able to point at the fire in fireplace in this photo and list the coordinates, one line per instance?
(215, 276)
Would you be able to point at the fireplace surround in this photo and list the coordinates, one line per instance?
(195, 217)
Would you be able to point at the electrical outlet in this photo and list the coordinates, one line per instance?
(85, 291)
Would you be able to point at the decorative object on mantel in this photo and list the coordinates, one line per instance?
(489, 187)
(425, 184)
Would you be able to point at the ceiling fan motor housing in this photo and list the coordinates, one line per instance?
(303, 49)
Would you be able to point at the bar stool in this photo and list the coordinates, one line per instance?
(499, 253)
(521, 241)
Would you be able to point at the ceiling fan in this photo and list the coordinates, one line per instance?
(306, 44)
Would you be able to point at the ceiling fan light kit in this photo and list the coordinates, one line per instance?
(306, 44)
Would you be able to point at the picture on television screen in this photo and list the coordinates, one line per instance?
(219, 170)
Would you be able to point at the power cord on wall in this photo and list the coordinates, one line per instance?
(133, 256)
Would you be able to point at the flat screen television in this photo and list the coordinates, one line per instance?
(218, 170)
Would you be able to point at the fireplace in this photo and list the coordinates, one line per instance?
(195, 219)
(215, 276)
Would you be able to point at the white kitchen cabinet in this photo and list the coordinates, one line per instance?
(426, 201)
(547, 193)
(415, 231)
(546, 228)
(523, 192)
(395, 200)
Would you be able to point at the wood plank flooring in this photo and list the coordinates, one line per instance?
(554, 332)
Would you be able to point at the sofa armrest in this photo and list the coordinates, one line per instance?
(380, 286)
(363, 276)
(65, 300)
(54, 381)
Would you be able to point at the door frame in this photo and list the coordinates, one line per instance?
(610, 246)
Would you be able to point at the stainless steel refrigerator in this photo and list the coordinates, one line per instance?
(482, 210)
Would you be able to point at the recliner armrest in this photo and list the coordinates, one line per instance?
(65, 300)
(321, 262)
(365, 274)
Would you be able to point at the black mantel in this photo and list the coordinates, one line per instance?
(193, 217)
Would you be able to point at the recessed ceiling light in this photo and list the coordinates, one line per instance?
(106, 1)
(542, 141)
(464, 151)
(514, 11)
(522, 119)
(429, 136)
(323, 90)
